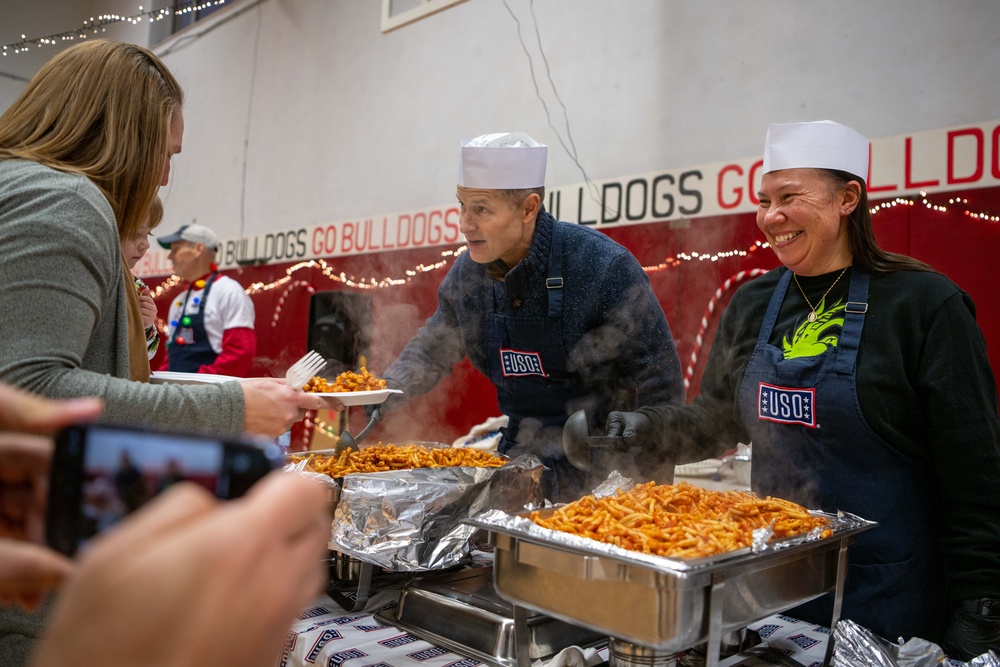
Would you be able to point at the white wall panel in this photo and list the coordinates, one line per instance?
(339, 121)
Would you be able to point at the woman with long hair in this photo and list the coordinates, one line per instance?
(83, 151)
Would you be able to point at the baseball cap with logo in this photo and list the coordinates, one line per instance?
(192, 233)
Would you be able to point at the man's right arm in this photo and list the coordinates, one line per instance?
(436, 347)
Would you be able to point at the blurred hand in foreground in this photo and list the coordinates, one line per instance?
(29, 570)
(191, 580)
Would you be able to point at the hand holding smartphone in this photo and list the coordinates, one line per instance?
(101, 474)
(190, 580)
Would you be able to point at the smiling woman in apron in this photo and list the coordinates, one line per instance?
(862, 380)
(558, 316)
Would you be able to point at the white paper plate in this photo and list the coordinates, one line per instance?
(359, 397)
(705, 468)
(172, 377)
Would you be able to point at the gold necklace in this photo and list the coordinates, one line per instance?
(812, 308)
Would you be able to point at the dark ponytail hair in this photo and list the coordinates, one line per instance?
(864, 249)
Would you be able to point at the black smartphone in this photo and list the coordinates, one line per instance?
(100, 474)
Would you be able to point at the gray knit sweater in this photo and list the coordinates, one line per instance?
(63, 325)
(63, 321)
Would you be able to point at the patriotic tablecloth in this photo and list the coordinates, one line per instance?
(326, 635)
(785, 637)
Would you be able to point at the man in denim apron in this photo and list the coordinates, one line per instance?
(559, 317)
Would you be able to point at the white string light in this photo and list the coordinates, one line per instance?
(447, 256)
(940, 208)
(99, 24)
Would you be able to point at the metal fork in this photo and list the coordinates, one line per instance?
(299, 373)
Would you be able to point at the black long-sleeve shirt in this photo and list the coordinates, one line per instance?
(924, 386)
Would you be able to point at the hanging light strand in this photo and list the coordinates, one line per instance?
(448, 256)
(99, 24)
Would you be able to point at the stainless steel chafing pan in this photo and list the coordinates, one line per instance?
(663, 603)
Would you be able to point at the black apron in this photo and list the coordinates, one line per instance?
(812, 445)
(529, 366)
(189, 348)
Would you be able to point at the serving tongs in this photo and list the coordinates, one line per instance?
(577, 441)
(348, 441)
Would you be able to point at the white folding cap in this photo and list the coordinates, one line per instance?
(502, 161)
(822, 144)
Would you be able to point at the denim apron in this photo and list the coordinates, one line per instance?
(812, 445)
(189, 348)
(529, 366)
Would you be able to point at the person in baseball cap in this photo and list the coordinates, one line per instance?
(210, 326)
(557, 315)
(192, 234)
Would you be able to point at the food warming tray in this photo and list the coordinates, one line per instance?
(461, 611)
(668, 604)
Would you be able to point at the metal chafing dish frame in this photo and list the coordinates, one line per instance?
(529, 567)
(460, 611)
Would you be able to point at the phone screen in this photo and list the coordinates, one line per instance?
(102, 474)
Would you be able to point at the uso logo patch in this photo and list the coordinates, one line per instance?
(340, 658)
(515, 363)
(325, 637)
(787, 406)
(803, 641)
(313, 613)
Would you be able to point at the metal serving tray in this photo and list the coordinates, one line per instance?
(668, 604)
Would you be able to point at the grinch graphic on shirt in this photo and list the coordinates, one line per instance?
(811, 339)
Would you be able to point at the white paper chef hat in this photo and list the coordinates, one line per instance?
(502, 161)
(821, 144)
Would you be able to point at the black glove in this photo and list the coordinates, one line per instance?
(634, 428)
(973, 630)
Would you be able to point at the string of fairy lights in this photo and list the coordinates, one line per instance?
(447, 256)
(99, 24)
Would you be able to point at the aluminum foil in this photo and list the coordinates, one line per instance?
(412, 520)
(856, 646)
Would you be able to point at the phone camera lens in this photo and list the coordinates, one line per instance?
(241, 463)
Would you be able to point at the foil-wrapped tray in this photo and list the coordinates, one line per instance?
(668, 604)
(414, 519)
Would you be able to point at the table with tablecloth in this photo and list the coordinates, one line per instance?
(325, 634)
